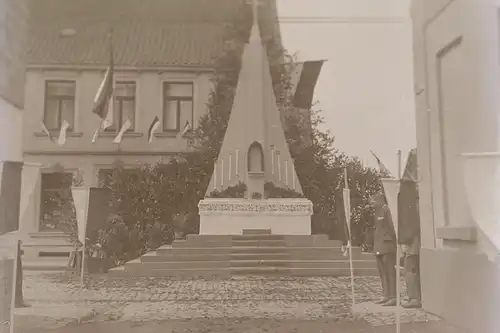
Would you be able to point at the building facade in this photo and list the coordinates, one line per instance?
(164, 55)
(13, 31)
(456, 73)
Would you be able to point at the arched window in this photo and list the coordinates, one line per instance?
(255, 157)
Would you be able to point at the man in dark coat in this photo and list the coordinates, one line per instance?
(384, 248)
(409, 230)
(19, 299)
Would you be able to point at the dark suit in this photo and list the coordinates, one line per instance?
(384, 248)
(409, 235)
(19, 278)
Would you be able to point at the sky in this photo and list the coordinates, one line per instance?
(365, 90)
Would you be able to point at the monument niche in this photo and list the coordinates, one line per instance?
(255, 153)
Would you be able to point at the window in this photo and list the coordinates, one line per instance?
(124, 107)
(57, 201)
(59, 104)
(177, 105)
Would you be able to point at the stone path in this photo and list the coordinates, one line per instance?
(140, 299)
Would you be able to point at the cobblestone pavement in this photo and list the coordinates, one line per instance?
(138, 299)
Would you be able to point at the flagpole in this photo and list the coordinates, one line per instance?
(398, 261)
(347, 197)
(14, 284)
(84, 244)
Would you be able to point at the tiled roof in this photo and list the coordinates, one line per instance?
(145, 32)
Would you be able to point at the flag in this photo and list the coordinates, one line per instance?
(408, 214)
(381, 166)
(124, 128)
(187, 128)
(303, 79)
(96, 135)
(46, 131)
(346, 194)
(411, 168)
(105, 91)
(62, 133)
(81, 196)
(108, 121)
(152, 128)
(103, 100)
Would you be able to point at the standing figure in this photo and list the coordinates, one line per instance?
(409, 230)
(19, 302)
(384, 248)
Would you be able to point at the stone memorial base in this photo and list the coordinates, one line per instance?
(232, 216)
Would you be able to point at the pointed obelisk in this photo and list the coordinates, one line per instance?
(254, 151)
(255, 132)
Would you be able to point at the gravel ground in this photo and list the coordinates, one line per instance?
(134, 302)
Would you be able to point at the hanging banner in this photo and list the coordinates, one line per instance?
(81, 196)
(346, 194)
(391, 191)
(30, 179)
(98, 210)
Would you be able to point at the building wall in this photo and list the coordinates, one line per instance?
(455, 54)
(14, 17)
(149, 102)
(79, 153)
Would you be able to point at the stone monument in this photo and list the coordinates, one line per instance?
(255, 153)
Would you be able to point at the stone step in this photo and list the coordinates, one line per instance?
(316, 264)
(154, 257)
(45, 264)
(259, 256)
(297, 253)
(187, 273)
(285, 271)
(49, 235)
(210, 238)
(256, 231)
(257, 237)
(169, 250)
(259, 249)
(318, 251)
(135, 265)
(200, 244)
(228, 272)
(261, 242)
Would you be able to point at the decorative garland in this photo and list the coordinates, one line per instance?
(236, 191)
(273, 191)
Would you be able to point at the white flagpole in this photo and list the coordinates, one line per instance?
(14, 285)
(215, 175)
(347, 205)
(237, 162)
(279, 167)
(398, 260)
(286, 172)
(230, 166)
(272, 160)
(84, 239)
(222, 173)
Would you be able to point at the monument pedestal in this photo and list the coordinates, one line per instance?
(232, 216)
